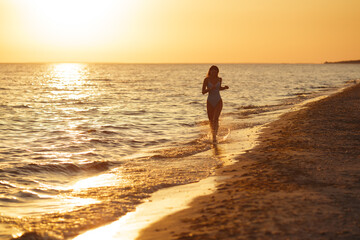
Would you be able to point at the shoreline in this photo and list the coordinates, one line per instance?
(300, 182)
(176, 198)
(159, 205)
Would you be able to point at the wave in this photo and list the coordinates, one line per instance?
(106, 142)
(132, 113)
(101, 132)
(20, 106)
(352, 81)
(187, 124)
(108, 132)
(100, 79)
(65, 168)
(196, 102)
(251, 106)
(190, 148)
(14, 106)
(10, 200)
(91, 110)
(34, 235)
(7, 184)
(246, 110)
(122, 127)
(27, 195)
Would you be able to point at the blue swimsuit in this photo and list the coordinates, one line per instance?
(214, 94)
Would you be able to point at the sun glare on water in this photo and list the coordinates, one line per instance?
(69, 73)
(67, 80)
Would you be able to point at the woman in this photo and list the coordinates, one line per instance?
(212, 85)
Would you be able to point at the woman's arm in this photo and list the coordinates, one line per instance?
(204, 87)
(223, 88)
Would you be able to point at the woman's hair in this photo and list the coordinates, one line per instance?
(213, 68)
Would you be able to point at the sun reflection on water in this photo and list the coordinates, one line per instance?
(67, 81)
(102, 180)
(69, 74)
(66, 91)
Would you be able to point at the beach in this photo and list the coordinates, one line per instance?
(300, 182)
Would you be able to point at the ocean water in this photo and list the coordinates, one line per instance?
(82, 144)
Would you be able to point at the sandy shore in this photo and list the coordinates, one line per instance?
(301, 182)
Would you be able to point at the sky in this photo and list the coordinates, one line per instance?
(179, 31)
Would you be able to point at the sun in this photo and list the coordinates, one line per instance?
(67, 23)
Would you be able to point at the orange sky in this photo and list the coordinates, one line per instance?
(179, 31)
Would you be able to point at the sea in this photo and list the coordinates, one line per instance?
(83, 144)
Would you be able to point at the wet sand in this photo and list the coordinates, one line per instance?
(160, 204)
(301, 182)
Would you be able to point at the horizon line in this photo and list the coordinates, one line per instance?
(160, 63)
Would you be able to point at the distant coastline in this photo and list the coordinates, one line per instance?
(349, 61)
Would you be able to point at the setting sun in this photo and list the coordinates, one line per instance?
(68, 23)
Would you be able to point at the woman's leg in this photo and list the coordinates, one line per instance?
(210, 112)
(216, 116)
(213, 115)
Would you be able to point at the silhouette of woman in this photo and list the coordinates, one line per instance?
(212, 85)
